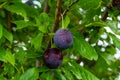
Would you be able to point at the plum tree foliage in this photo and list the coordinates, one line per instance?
(34, 45)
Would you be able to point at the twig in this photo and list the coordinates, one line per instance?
(9, 24)
(105, 14)
(46, 7)
(57, 15)
(56, 22)
(71, 4)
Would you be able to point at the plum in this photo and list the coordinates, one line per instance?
(116, 4)
(30, 3)
(63, 38)
(53, 58)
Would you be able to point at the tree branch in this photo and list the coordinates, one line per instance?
(56, 22)
(105, 14)
(9, 21)
(57, 15)
(46, 7)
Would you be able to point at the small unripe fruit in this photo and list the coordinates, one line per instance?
(116, 4)
(53, 58)
(63, 39)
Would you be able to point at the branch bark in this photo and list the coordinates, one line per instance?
(57, 15)
(56, 22)
(9, 24)
(46, 7)
(105, 14)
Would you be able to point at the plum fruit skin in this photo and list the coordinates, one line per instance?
(53, 58)
(63, 39)
(116, 4)
(30, 3)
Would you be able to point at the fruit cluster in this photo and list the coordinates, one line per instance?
(53, 57)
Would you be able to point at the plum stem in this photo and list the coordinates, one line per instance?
(62, 22)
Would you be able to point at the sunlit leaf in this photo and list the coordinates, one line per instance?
(84, 48)
(116, 41)
(2, 55)
(67, 73)
(66, 21)
(36, 42)
(10, 58)
(85, 4)
(42, 22)
(85, 74)
(75, 71)
(2, 77)
(113, 25)
(23, 24)
(30, 74)
(107, 57)
(60, 75)
(7, 35)
(18, 10)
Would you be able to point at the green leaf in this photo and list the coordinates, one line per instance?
(1, 31)
(42, 22)
(85, 74)
(9, 69)
(107, 57)
(1, 5)
(67, 73)
(16, 7)
(49, 76)
(66, 21)
(116, 41)
(36, 42)
(30, 74)
(75, 71)
(113, 25)
(7, 35)
(85, 4)
(111, 49)
(20, 56)
(23, 24)
(102, 24)
(43, 69)
(2, 55)
(60, 75)
(10, 58)
(46, 76)
(2, 78)
(84, 48)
